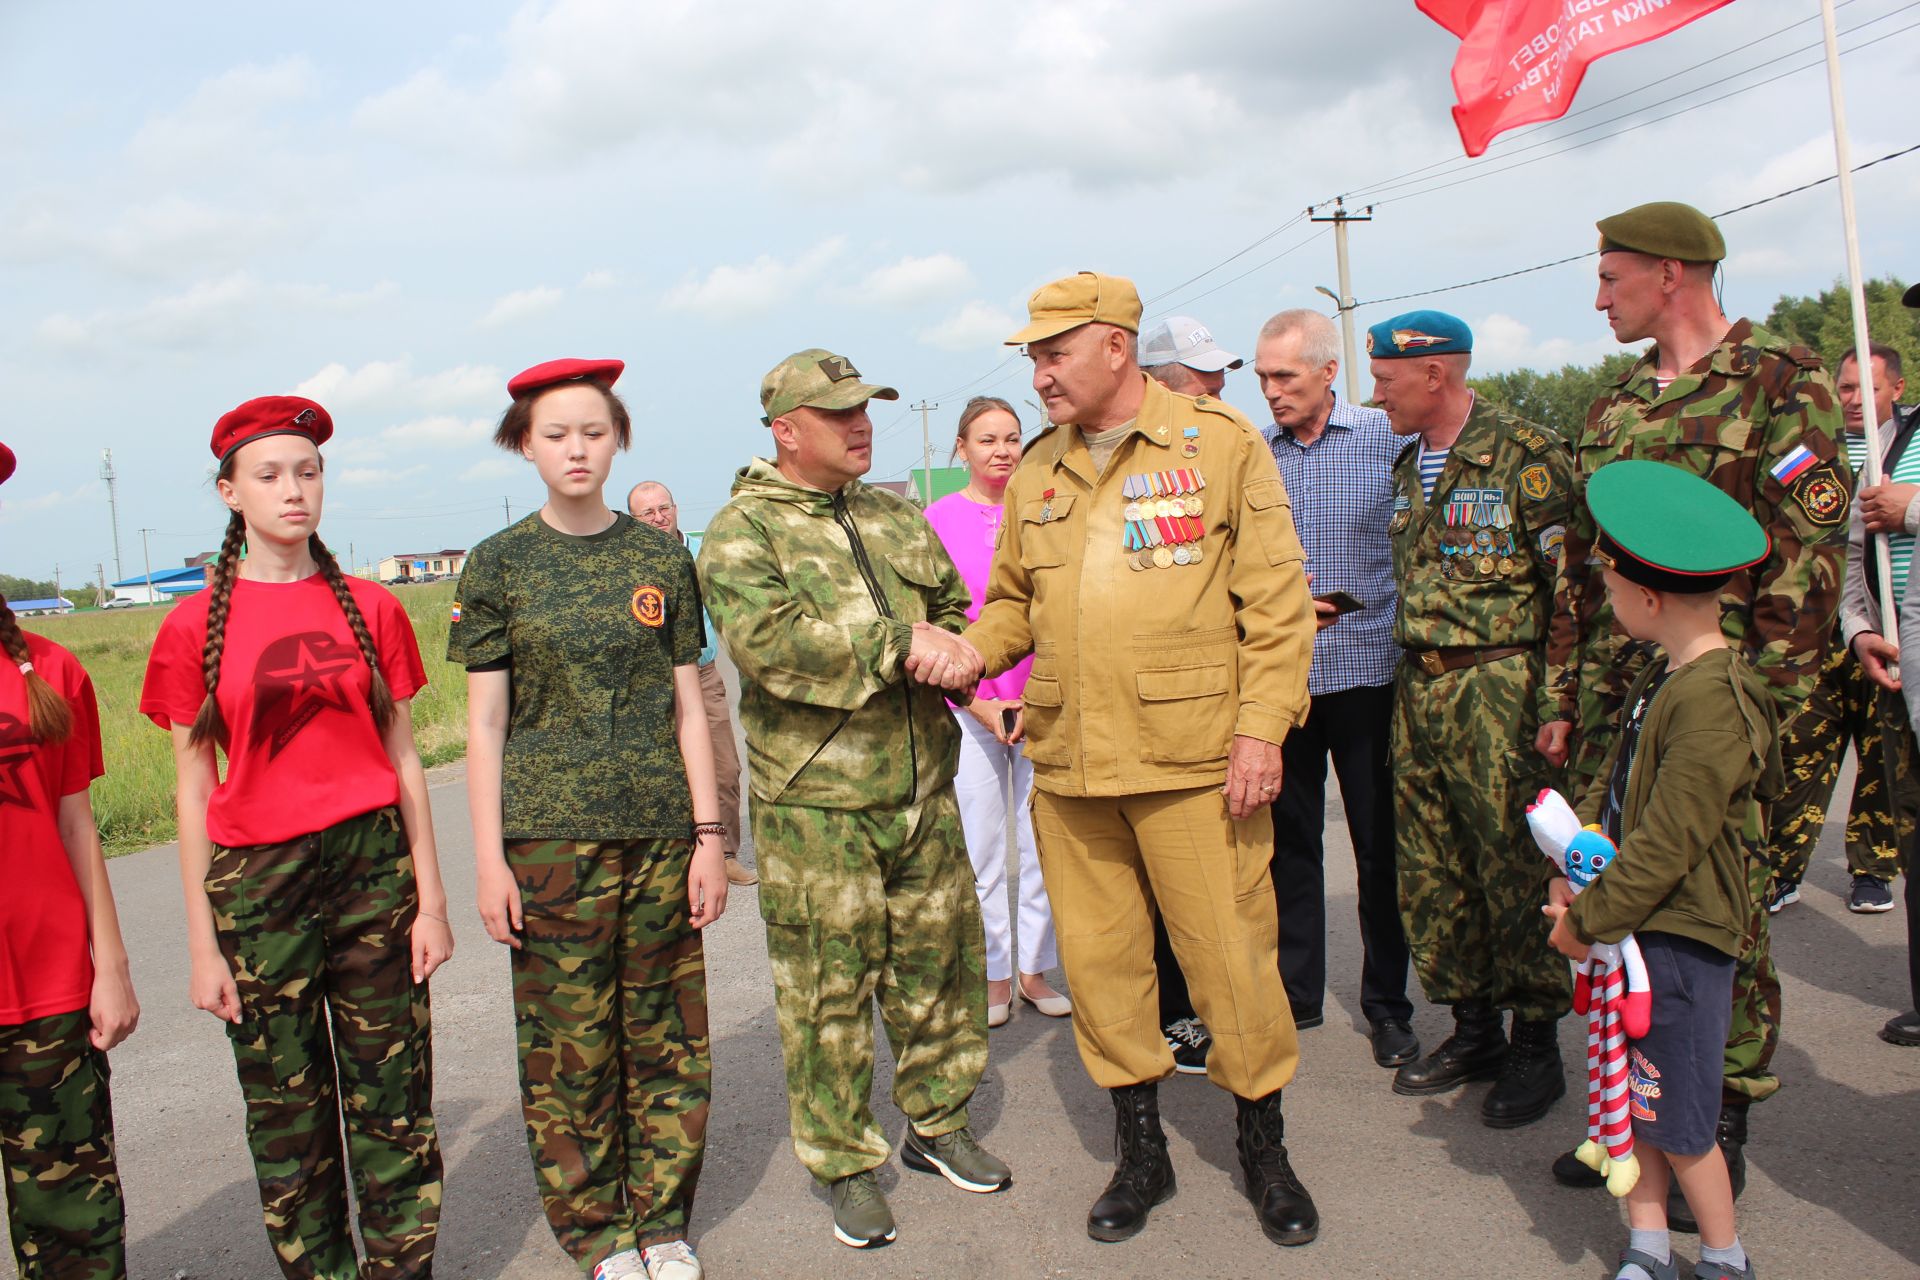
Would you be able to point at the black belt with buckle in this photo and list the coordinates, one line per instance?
(1453, 657)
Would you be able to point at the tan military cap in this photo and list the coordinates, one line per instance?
(817, 379)
(1665, 229)
(1077, 300)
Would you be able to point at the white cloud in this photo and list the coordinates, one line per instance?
(206, 312)
(732, 292)
(492, 469)
(441, 432)
(1501, 342)
(977, 326)
(393, 384)
(594, 280)
(90, 491)
(912, 282)
(366, 476)
(225, 117)
(519, 305)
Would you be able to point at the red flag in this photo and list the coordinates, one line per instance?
(1522, 60)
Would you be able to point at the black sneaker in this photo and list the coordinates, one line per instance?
(1189, 1039)
(1781, 894)
(1869, 896)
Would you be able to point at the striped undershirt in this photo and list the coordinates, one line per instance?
(1432, 462)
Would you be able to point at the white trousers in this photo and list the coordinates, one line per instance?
(988, 771)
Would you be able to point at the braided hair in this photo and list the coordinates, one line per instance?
(48, 715)
(209, 725)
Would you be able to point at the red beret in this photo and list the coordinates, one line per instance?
(6, 463)
(555, 372)
(270, 416)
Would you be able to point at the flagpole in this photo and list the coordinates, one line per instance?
(1863, 360)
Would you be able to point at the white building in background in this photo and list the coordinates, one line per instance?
(413, 566)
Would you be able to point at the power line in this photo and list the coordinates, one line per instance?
(1454, 163)
(1560, 262)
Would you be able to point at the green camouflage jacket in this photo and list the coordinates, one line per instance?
(814, 594)
(1758, 418)
(1475, 564)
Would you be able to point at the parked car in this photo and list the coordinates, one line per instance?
(121, 602)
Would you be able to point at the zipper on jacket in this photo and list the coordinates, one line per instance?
(844, 518)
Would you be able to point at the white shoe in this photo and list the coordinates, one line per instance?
(620, 1266)
(1052, 1006)
(997, 1014)
(673, 1260)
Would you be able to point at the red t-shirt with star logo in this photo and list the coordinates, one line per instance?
(46, 964)
(304, 751)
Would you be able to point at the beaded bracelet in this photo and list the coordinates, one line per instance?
(709, 829)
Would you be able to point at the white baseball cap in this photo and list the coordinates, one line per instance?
(1184, 340)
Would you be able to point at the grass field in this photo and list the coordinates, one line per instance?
(134, 802)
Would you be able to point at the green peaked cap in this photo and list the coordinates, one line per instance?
(1669, 529)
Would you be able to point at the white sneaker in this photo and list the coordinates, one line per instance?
(673, 1260)
(620, 1266)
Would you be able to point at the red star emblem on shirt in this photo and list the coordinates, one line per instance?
(16, 753)
(297, 678)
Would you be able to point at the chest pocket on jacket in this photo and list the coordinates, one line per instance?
(1044, 539)
(922, 579)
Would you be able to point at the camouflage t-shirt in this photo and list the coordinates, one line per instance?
(590, 629)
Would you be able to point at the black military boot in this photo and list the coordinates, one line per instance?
(1532, 1079)
(1731, 1134)
(1282, 1205)
(1143, 1177)
(1474, 1051)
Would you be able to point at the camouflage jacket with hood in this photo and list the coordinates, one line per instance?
(815, 595)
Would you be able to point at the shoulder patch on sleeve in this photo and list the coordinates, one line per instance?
(1822, 494)
(1805, 357)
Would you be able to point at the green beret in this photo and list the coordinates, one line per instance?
(1665, 229)
(1666, 528)
(1419, 333)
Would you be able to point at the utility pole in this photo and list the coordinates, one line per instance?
(148, 559)
(1340, 218)
(926, 454)
(113, 507)
(56, 580)
(352, 564)
(506, 509)
(100, 592)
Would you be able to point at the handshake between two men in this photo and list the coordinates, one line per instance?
(947, 661)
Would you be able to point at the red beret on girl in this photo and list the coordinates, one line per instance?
(270, 416)
(6, 463)
(555, 372)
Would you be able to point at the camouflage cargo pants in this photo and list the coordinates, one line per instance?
(1844, 707)
(316, 931)
(859, 905)
(1472, 880)
(610, 1006)
(56, 1141)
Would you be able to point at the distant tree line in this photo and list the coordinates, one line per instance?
(1560, 399)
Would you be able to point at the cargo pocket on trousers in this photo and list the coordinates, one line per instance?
(791, 950)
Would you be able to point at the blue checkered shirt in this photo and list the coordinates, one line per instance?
(1342, 491)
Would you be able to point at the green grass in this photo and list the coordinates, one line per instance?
(134, 802)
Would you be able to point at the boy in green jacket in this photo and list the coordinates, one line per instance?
(1696, 745)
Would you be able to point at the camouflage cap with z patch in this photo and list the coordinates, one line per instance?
(818, 379)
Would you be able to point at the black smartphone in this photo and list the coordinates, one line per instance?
(1009, 717)
(1341, 601)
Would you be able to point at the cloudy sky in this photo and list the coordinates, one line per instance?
(393, 207)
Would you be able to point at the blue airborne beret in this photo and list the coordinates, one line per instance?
(1419, 333)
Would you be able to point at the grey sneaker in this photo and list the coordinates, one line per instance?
(1869, 896)
(861, 1218)
(672, 1260)
(957, 1158)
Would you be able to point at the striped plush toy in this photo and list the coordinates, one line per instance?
(1610, 988)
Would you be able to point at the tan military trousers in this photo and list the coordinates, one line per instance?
(726, 756)
(1108, 861)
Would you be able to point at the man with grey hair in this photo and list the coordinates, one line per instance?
(1337, 461)
(1181, 353)
(650, 503)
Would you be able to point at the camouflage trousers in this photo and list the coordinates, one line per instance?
(1754, 1033)
(610, 1007)
(333, 1032)
(863, 904)
(1472, 880)
(56, 1142)
(1844, 707)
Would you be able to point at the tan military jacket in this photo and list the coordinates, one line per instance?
(1142, 676)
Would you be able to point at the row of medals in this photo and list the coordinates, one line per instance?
(1163, 518)
(1477, 548)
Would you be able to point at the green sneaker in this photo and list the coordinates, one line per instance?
(861, 1218)
(957, 1158)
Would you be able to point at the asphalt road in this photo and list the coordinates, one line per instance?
(1405, 1187)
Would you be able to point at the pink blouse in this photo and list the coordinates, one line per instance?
(967, 530)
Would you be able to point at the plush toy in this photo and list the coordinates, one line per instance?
(1610, 988)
